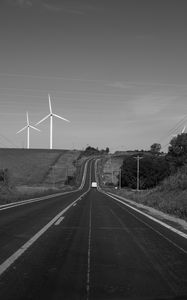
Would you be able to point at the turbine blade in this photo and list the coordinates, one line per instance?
(43, 119)
(61, 118)
(50, 108)
(27, 118)
(21, 129)
(34, 128)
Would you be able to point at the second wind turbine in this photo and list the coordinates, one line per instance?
(28, 126)
(51, 115)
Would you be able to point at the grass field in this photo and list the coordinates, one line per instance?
(62, 169)
(35, 171)
(28, 166)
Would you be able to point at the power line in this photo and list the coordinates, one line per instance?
(174, 128)
(52, 77)
(9, 141)
(165, 146)
(178, 125)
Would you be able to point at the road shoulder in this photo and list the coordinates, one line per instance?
(172, 221)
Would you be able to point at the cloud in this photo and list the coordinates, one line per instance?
(55, 6)
(70, 6)
(144, 37)
(149, 85)
(133, 84)
(21, 3)
(61, 8)
(119, 84)
(150, 105)
(52, 7)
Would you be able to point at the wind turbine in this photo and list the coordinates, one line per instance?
(51, 115)
(28, 126)
(183, 131)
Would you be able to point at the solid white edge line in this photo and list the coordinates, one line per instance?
(59, 221)
(24, 202)
(158, 232)
(89, 244)
(9, 261)
(89, 253)
(184, 235)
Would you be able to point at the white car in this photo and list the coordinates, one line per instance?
(94, 184)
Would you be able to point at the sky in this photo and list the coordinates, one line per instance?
(117, 69)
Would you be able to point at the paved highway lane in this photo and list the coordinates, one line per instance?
(100, 249)
(19, 223)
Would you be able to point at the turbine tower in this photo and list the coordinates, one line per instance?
(28, 126)
(51, 115)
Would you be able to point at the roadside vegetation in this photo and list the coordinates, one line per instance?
(36, 172)
(163, 177)
(29, 173)
(27, 166)
(170, 196)
(91, 151)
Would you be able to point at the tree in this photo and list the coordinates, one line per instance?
(153, 169)
(177, 151)
(128, 172)
(155, 148)
(89, 151)
(178, 145)
(107, 150)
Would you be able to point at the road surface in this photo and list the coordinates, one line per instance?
(87, 245)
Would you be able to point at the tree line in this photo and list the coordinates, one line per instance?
(154, 165)
(91, 151)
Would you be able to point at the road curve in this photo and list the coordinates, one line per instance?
(96, 248)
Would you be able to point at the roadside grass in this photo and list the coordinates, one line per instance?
(31, 172)
(170, 202)
(79, 165)
(63, 168)
(17, 194)
(170, 196)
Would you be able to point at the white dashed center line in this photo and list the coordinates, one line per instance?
(59, 221)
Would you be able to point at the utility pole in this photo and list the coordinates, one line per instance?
(67, 174)
(138, 172)
(111, 166)
(120, 179)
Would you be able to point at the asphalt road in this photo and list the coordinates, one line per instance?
(88, 247)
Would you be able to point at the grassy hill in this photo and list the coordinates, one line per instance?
(28, 166)
(32, 172)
